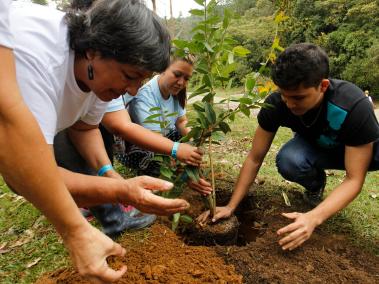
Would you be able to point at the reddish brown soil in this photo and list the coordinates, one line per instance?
(162, 257)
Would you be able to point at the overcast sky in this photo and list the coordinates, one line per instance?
(163, 7)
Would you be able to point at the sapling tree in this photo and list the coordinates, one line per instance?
(216, 52)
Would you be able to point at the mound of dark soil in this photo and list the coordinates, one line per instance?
(324, 258)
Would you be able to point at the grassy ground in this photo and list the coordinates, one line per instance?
(29, 246)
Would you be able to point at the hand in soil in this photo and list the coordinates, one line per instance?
(297, 232)
(202, 186)
(139, 194)
(221, 212)
(89, 249)
(189, 154)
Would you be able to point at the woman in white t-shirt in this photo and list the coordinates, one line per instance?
(68, 67)
(23, 150)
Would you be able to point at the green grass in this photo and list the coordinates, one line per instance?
(359, 220)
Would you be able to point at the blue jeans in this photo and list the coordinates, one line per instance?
(303, 163)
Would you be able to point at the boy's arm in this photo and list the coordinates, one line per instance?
(357, 160)
(261, 144)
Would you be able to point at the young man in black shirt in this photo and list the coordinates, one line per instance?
(335, 128)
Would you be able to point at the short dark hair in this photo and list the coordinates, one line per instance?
(302, 64)
(123, 30)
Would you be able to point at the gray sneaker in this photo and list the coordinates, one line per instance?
(314, 198)
(115, 221)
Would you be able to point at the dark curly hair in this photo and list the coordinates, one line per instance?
(123, 30)
(302, 64)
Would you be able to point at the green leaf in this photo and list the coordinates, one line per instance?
(175, 221)
(211, 5)
(193, 173)
(240, 51)
(199, 37)
(199, 106)
(186, 219)
(152, 121)
(151, 117)
(200, 2)
(232, 117)
(155, 109)
(157, 158)
(207, 81)
(208, 97)
(201, 70)
(175, 113)
(217, 136)
(230, 57)
(227, 17)
(197, 12)
(245, 110)
(166, 172)
(230, 83)
(203, 89)
(246, 101)
(194, 132)
(249, 84)
(199, 27)
(224, 127)
(180, 43)
(208, 47)
(225, 72)
(203, 120)
(210, 113)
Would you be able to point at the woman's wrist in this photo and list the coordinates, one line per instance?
(175, 149)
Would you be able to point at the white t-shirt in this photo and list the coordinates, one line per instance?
(120, 103)
(5, 34)
(45, 70)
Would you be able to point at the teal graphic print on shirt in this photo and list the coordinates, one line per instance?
(335, 117)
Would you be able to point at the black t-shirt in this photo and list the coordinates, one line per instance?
(345, 117)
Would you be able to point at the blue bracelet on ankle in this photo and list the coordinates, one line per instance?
(104, 169)
(174, 149)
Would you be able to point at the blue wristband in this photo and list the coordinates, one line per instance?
(104, 169)
(174, 149)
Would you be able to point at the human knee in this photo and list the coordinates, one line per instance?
(290, 163)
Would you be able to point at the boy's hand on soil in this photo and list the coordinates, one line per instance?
(221, 213)
(189, 155)
(297, 232)
(202, 186)
(138, 193)
(89, 249)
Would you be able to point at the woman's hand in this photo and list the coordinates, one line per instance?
(89, 250)
(138, 192)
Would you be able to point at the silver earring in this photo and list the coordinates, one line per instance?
(90, 72)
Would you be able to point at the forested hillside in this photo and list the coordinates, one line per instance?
(347, 29)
